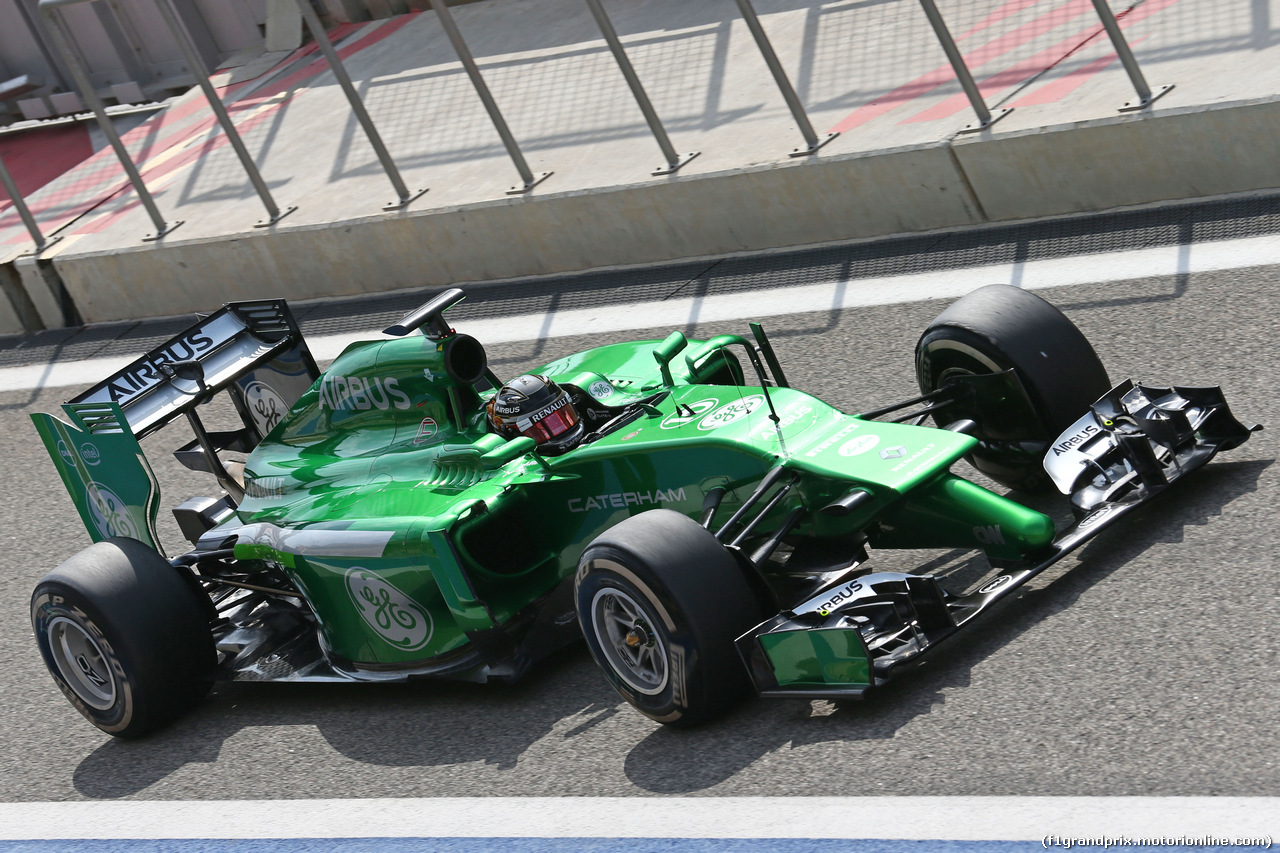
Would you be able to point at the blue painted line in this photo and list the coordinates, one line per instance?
(539, 845)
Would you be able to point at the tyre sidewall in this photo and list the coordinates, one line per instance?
(943, 350)
(1012, 328)
(604, 571)
(698, 601)
(998, 429)
(150, 624)
(997, 328)
(52, 600)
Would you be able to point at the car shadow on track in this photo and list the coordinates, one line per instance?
(416, 725)
(671, 761)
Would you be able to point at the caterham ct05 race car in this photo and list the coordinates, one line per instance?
(704, 525)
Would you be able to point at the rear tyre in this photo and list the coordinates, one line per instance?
(661, 602)
(996, 328)
(124, 636)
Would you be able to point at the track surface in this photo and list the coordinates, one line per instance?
(1145, 665)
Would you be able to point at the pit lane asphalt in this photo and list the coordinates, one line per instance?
(1146, 664)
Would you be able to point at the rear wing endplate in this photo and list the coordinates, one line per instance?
(104, 470)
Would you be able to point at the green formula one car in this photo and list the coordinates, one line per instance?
(702, 523)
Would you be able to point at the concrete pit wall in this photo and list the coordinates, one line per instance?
(992, 177)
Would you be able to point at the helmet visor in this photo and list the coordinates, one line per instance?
(549, 425)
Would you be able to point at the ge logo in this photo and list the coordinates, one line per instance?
(110, 515)
(265, 405)
(731, 412)
(398, 619)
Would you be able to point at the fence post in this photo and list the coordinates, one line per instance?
(196, 64)
(1145, 96)
(20, 204)
(813, 142)
(674, 160)
(62, 44)
(491, 106)
(38, 37)
(357, 106)
(985, 116)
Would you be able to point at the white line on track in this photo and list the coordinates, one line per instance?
(918, 818)
(762, 304)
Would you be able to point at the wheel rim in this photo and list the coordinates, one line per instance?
(82, 663)
(634, 650)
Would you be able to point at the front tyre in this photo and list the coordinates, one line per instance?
(125, 637)
(660, 602)
(997, 328)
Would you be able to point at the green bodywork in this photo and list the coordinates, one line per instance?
(376, 527)
(411, 529)
(374, 494)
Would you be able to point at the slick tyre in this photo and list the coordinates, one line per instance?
(991, 330)
(124, 636)
(661, 602)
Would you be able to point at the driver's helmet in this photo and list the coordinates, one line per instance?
(534, 406)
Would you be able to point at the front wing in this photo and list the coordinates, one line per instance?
(1134, 443)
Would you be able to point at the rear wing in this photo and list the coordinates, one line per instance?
(252, 350)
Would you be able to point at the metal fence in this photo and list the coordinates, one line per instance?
(63, 42)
